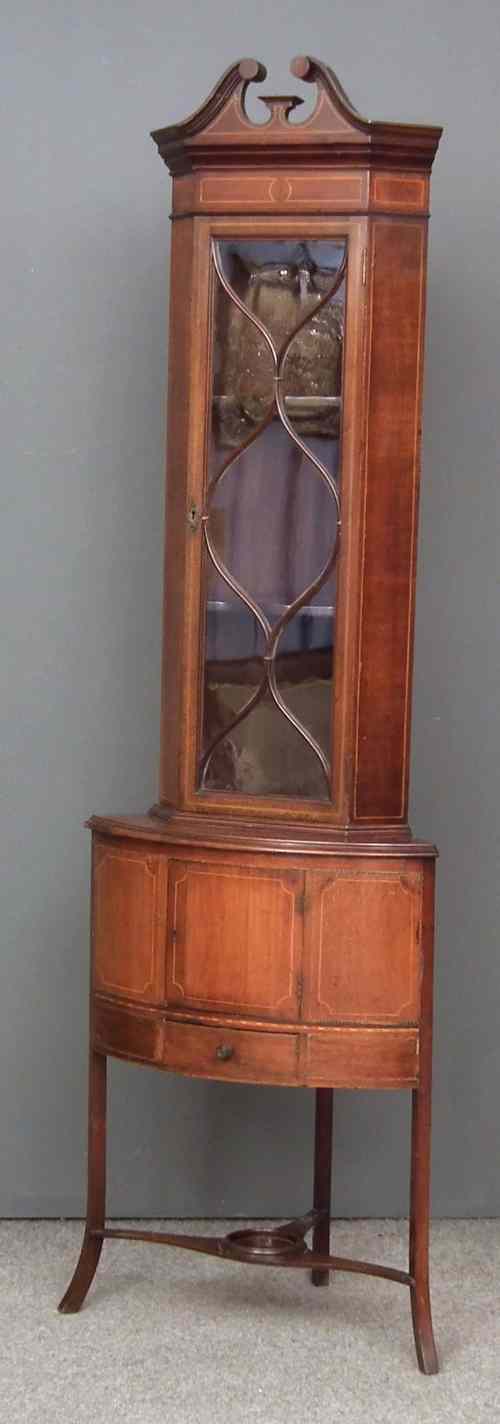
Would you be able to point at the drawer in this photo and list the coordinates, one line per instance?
(235, 1054)
(361, 1058)
(124, 1031)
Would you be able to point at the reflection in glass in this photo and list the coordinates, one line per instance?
(271, 517)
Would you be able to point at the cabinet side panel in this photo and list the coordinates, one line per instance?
(389, 537)
(363, 963)
(129, 920)
(173, 682)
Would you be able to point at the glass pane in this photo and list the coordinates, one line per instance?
(263, 754)
(271, 517)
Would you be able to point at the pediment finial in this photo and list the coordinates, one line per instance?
(313, 71)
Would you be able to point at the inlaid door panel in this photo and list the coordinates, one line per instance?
(234, 938)
(363, 955)
(129, 921)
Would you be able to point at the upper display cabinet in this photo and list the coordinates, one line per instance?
(296, 341)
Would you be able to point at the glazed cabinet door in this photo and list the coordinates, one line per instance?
(363, 961)
(260, 590)
(234, 939)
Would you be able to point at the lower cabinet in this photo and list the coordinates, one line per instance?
(220, 968)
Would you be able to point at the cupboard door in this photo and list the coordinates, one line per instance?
(363, 955)
(234, 939)
(129, 921)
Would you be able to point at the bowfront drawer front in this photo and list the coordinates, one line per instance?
(363, 959)
(337, 1057)
(129, 904)
(234, 939)
(361, 1058)
(127, 1033)
(234, 1054)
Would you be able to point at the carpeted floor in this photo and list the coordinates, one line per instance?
(167, 1335)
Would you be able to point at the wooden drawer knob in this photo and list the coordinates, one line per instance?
(224, 1051)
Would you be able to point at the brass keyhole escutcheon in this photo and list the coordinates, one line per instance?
(193, 516)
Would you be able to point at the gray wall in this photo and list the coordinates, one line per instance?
(85, 234)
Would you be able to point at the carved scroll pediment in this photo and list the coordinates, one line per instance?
(222, 127)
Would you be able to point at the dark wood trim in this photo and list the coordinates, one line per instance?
(226, 1250)
(176, 828)
(349, 213)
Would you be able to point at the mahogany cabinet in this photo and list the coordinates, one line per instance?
(270, 920)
